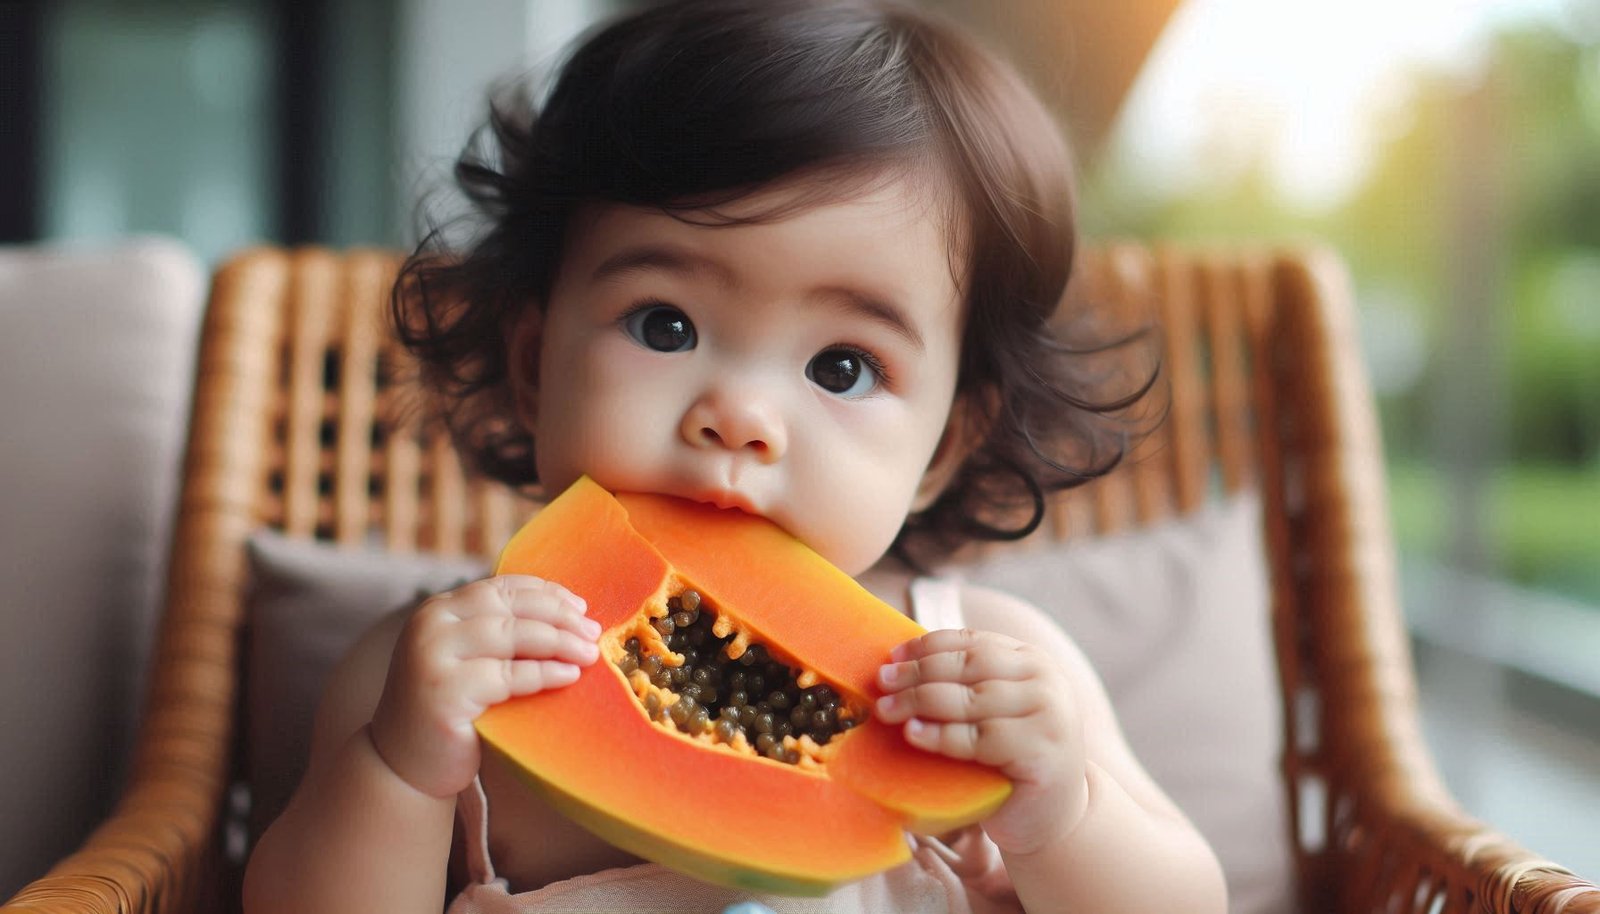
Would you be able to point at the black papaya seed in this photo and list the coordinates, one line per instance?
(679, 712)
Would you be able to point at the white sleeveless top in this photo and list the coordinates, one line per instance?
(965, 876)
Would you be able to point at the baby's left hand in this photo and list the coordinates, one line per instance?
(987, 697)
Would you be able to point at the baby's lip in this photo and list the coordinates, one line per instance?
(717, 496)
(725, 499)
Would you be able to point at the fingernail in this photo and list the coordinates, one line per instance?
(915, 729)
(591, 628)
(898, 654)
(886, 704)
(888, 674)
(565, 672)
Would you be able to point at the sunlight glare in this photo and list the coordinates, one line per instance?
(1303, 86)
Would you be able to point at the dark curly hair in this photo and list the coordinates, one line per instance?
(688, 105)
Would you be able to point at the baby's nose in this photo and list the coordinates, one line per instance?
(738, 422)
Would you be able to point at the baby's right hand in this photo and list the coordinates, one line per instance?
(463, 651)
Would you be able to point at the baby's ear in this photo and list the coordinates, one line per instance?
(963, 432)
(524, 338)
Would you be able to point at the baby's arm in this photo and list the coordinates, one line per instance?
(1086, 829)
(370, 826)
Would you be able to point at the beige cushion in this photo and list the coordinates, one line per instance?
(96, 357)
(1175, 620)
(308, 604)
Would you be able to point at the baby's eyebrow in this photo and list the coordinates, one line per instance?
(872, 308)
(662, 257)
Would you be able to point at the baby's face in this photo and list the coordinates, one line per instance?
(801, 369)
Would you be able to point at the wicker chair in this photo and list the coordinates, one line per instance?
(293, 428)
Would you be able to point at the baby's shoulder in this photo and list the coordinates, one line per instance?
(988, 609)
(997, 611)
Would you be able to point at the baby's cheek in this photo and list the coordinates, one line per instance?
(854, 520)
(599, 436)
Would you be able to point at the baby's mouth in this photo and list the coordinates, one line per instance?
(726, 500)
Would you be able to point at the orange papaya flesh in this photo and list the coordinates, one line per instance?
(815, 611)
(708, 809)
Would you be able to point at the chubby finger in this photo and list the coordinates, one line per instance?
(506, 637)
(956, 701)
(946, 640)
(978, 663)
(489, 682)
(535, 598)
(524, 596)
(998, 741)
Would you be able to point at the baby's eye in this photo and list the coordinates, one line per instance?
(846, 372)
(660, 327)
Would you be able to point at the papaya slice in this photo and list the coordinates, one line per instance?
(806, 790)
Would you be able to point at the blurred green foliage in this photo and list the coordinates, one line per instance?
(1535, 513)
(1394, 230)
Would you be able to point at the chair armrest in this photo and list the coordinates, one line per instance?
(1376, 828)
(161, 850)
(1402, 844)
(157, 852)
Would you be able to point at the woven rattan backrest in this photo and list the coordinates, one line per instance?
(1202, 302)
(348, 457)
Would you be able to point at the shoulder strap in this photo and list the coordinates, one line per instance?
(472, 808)
(936, 603)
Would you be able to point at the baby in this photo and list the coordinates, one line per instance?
(799, 259)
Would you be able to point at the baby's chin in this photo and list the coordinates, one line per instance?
(853, 555)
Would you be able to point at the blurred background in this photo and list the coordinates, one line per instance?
(1448, 149)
